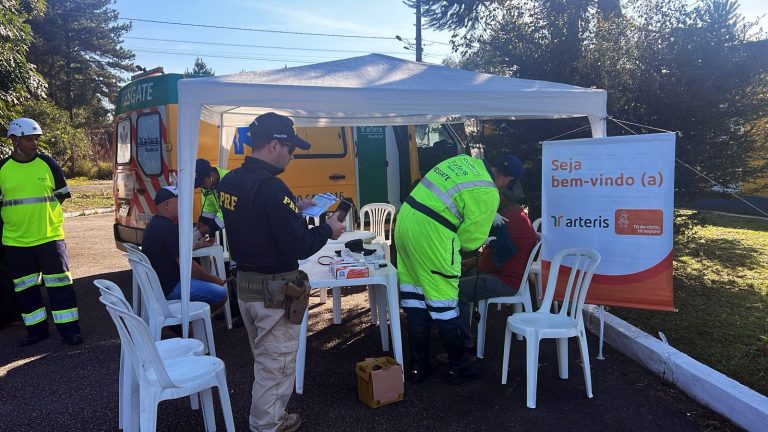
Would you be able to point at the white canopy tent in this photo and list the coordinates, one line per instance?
(371, 90)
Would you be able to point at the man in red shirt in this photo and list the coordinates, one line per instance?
(502, 263)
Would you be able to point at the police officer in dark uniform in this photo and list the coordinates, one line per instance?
(267, 236)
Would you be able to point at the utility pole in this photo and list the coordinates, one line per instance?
(419, 48)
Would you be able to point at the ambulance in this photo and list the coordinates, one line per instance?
(364, 164)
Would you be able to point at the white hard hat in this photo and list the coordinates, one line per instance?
(24, 126)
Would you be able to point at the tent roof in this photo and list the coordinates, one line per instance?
(380, 90)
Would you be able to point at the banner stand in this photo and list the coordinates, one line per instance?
(602, 328)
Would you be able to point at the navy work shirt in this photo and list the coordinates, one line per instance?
(161, 245)
(266, 231)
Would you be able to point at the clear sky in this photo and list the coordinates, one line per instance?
(230, 51)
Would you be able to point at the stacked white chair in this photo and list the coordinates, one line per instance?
(162, 378)
(162, 313)
(521, 300)
(168, 348)
(579, 265)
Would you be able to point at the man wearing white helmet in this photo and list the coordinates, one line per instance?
(32, 188)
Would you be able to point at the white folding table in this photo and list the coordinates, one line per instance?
(384, 280)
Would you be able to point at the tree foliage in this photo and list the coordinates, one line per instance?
(691, 67)
(77, 49)
(200, 69)
(61, 140)
(19, 80)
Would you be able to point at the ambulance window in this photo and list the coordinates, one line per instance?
(427, 135)
(326, 143)
(148, 144)
(435, 143)
(123, 133)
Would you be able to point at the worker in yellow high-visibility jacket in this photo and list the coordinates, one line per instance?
(32, 187)
(450, 210)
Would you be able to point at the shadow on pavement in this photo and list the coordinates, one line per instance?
(55, 386)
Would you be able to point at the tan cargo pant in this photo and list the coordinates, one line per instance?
(274, 342)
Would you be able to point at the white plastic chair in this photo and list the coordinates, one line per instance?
(168, 348)
(535, 273)
(131, 249)
(580, 266)
(162, 313)
(521, 300)
(213, 259)
(163, 379)
(380, 217)
(378, 214)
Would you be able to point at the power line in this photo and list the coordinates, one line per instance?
(220, 56)
(214, 53)
(257, 30)
(236, 56)
(258, 46)
(241, 56)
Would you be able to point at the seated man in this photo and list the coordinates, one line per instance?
(502, 263)
(161, 246)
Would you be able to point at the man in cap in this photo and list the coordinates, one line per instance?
(501, 265)
(267, 236)
(32, 188)
(450, 210)
(207, 178)
(161, 245)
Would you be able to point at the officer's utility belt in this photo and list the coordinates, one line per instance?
(428, 212)
(288, 291)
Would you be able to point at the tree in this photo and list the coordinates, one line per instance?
(200, 69)
(19, 80)
(77, 49)
(692, 68)
(64, 142)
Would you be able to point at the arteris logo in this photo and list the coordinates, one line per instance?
(563, 221)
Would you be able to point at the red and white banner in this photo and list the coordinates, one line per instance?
(614, 195)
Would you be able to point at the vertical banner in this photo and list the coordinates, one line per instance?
(614, 195)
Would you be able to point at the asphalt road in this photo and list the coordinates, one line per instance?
(51, 386)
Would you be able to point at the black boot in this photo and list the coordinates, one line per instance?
(461, 368)
(33, 338)
(420, 368)
(464, 370)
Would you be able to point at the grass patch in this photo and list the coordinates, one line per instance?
(721, 292)
(87, 201)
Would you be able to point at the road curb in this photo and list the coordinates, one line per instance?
(740, 404)
(89, 212)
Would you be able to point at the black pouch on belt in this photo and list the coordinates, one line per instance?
(297, 298)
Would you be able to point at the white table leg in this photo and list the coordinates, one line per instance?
(380, 291)
(394, 317)
(301, 354)
(336, 304)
